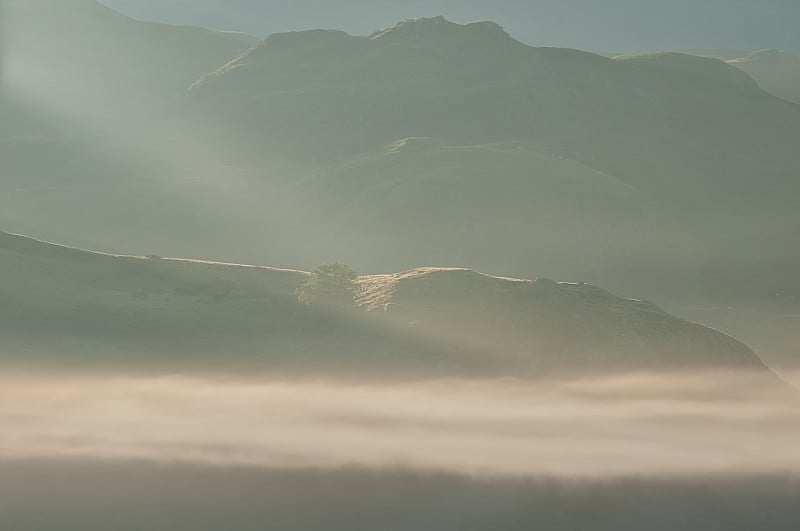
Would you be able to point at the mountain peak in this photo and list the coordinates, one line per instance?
(439, 28)
(320, 38)
(411, 26)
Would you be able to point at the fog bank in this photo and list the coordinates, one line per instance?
(673, 425)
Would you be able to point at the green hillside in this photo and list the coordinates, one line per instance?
(82, 50)
(655, 175)
(65, 307)
(777, 72)
(693, 138)
(501, 207)
(83, 105)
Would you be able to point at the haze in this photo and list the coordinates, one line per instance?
(399, 265)
(618, 25)
(650, 425)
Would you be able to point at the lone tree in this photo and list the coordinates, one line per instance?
(330, 285)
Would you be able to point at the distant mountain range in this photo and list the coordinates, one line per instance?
(426, 142)
(691, 138)
(69, 307)
(623, 25)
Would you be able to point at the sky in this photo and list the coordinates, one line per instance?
(607, 26)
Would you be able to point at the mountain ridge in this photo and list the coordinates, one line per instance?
(65, 306)
(437, 27)
(616, 25)
(696, 138)
(632, 173)
(776, 71)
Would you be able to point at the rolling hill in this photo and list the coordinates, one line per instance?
(497, 206)
(426, 142)
(776, 71)
(694, 136)
(663, 122)
(67, 308)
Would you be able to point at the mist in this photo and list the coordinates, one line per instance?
(381, 265)
(699, 451)
(654, 425)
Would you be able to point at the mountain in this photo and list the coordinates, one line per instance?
(66, 307)
(473, 83)
(498, 206)
(82, 50)
(777, 72)
(426, 142)
(611, 25)
(642, 117)
(695, 137)
(83, 101)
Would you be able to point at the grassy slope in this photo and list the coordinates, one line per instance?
(660, 159)
(84, 94)
(687, 152)
(696, 136)
(65, 306)
(499, 207)
(776, 71)
(87, 49)
(474, 84)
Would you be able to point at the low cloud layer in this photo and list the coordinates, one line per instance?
(638, 424)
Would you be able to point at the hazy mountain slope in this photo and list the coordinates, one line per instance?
(610, 25)
(723, 54)
(497, 207)
(679, 164)
(65, 306)
(85, 152)
(694, 135)
(146, 191)
(777, 72)
(92, 55)
(552, 324)
(649, 119)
